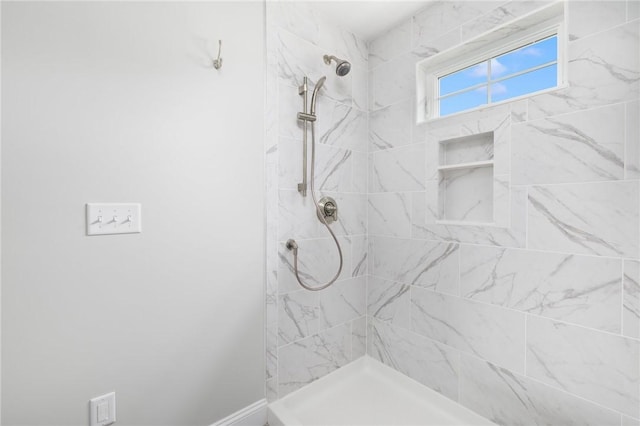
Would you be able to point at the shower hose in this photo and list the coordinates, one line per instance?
(292, 245)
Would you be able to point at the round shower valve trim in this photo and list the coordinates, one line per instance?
(329, 209)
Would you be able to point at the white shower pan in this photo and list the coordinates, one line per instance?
(367, 392)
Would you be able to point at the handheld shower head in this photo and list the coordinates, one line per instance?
(315, 93)
(342, 65)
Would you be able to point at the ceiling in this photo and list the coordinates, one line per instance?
(369, 18)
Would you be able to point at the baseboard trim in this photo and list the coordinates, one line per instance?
(251, 415)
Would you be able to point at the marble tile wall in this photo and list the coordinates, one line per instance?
(310, 334)
(535, 322)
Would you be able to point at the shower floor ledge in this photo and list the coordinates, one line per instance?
(367, 392)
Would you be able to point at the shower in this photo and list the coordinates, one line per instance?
(342, 66)
(326, 207)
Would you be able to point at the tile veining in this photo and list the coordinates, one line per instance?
(531, 317)
(579, 289)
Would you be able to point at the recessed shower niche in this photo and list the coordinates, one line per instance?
(466, 179)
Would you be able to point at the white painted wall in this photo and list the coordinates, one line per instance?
(108, 102)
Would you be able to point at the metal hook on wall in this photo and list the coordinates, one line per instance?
(217, 63)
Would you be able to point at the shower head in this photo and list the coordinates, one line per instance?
(342, 65)
(315, 93)
(319, 84)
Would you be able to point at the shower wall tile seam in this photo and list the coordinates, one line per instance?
(397, 55)
(291, 33)
(404, 191)
(327, 99)
(320, 239)
(622, 304)
(604, 30)
(440, 122)
(506, 247)
(304, 291)
(328, 238)
(562, 114)
(553, 387)
(288, 138)
(320, 331)
(480, 302)
(592, 182)
(533, 250)
(549, 370)
(473, 356)
(395, 149)
(395, 103)
(329, 192)
(517, 186)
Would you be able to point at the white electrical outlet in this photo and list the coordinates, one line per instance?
(103, 410)
(113, 218)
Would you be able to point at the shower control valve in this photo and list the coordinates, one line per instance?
(329, 210)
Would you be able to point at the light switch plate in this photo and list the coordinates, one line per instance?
(113, 218)
(103, 410)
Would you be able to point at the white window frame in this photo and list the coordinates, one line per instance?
(529, 29)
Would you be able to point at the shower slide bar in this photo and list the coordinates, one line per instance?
(326, 208)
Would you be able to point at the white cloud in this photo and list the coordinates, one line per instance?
(498, 89)
(481, 70)
(497, 68)
(530, 51)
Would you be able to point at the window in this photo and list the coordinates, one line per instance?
(525, 70)
(520, 58)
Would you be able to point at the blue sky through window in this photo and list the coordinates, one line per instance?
(528, 69)
(533, 81)
(463, 79)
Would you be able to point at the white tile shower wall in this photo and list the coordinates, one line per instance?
(310, 334)
(576, 289)
(537, 322)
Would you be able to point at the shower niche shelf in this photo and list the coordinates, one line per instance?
(466, 179)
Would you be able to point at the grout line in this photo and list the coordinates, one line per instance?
(507, 308)
(367, 247)
(526, 338)
(496, 247)
(597, 404)
(539, 382)
(473, 356)
(573, 111)
(597, 33)
(625, 129)
(525, 185)
(526, 219)
(622, 325)
(320, 331)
